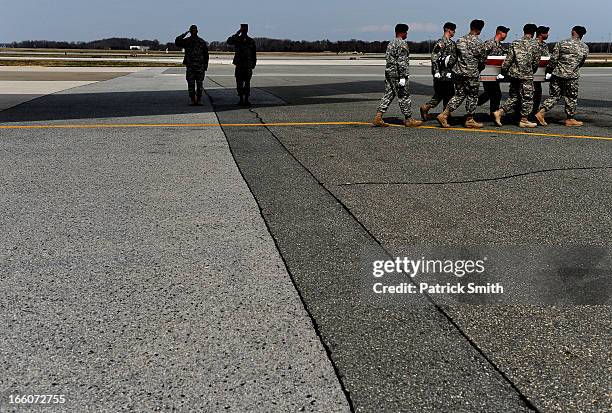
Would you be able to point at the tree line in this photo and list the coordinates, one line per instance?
(263, 44)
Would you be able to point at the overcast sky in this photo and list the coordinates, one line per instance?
(75, 20)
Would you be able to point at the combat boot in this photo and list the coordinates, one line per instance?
(540, 117)
(443, 118)
(241, 102)
(246, 101)
(526, 123)
(573, 122)
(425, 111)
(412, 123)
(470, 123)
(497, 117)
(378, 120)
(194, 102)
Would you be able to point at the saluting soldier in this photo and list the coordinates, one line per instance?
(196, 60)
(245, 60)
(563, 70)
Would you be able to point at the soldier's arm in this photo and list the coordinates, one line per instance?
(584, 58)
(254, 53)
(206, 56)
(453, 57)
(537, 55)
(403, 60)
(180, 40)
(508, 61)
(554, 58)
(435, 55)
(232, 40)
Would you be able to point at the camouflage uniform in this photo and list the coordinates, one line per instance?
(245, 60)
(520, 65)
(537, 86)
(470, 62)
(566, 60)
(196, 60)
(492, 91)
(443, 87)
(398, 60)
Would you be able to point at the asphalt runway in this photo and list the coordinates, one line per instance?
(330, 188)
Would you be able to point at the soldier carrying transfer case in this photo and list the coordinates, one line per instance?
(443, 57)
(492, 90)
(520, 65)
(196, 60)
(563, 70)
(245, 60)
(541, 37)
(396, 78)
(470, 62)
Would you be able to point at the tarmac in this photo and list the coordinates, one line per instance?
(159, 256)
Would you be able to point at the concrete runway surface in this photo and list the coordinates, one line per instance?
(157, 256)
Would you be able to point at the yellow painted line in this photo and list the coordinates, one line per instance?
(233, 125)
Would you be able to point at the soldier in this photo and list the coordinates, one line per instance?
(492, 91)
(196, 60)
(521, 63)
(563, 70)
(470, 62)
(245, 60)
(541, 37)
(443, 58)
(396, 79)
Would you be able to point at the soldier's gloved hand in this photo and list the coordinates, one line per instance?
(500, 77)
(437, 75)
(548, 76)
(402, 82)
(449, 75)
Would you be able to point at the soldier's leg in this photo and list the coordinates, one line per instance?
(239, 82)
(438, 94)
(496, 95)
(484, 96)
(191, 83)
(449, 92)
(403, 98)
(473, 86)
(388, 96)
(571, 97)
(553, 95)
(248, 74)
(537, 96)
(461, 91)
(526, 96)
(199, 80)
(513, 97)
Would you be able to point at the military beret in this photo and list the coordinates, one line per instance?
(450, 26)
(530, 28)
(503, 29)
(401, 28)
(581, 30)
(542, 29)
(477, 24)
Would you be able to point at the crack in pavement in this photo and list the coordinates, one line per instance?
(469, 181)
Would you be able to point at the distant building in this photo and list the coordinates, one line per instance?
(141, 48)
